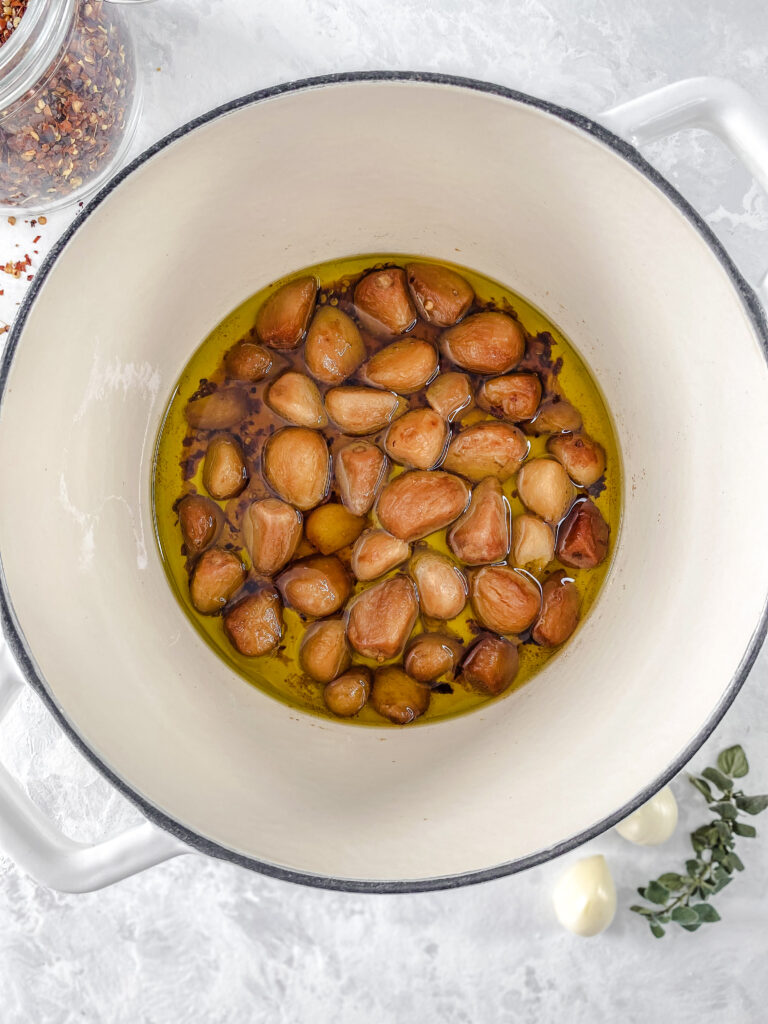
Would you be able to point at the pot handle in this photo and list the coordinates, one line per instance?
(716, 104)
(34, 843)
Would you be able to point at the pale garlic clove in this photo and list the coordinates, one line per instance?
(271, 532)
(584, 897)
(334, 348)
(398, 697)
(482, 533)
(295, 397)
(652, 823)
(248, 361)
(491, 665)
(332, 527)
(316, 586)
(441, 296)
(450, 394)
(297, 465)
(358, 410)
(485, 343)
(514, 397)
(582, 540)
(486, 449)
(555, 415)
(559, 615)
(403, 367)
(215, 578)
(361, 468)
(348, 694)
(504, 599)
(225, 473)
(324, 652)
(417, 503)
(383, 302)
(545, 489)
(429, 656)
(375, 553)
(283, 318)
(254, 625)
(583, 458)
(533, 542)
(222, 409)
(417, 439)
(441, 585)
(381, 618)
(200, 520)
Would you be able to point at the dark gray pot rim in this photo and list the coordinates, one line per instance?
(192, 839)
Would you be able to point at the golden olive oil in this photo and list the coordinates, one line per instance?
(179, 459)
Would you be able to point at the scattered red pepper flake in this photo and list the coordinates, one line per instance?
(36, 239)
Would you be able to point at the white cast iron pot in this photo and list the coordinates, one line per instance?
(538, 197)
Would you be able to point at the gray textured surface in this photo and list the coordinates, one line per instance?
(200, 940)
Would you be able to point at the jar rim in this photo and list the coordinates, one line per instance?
(28, 53)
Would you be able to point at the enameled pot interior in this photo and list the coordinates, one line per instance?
(524, 197)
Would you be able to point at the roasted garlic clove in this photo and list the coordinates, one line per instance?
(559, 615)
(282, 320)
(295, 397)
(442, 297)
(225, 474)
(515, 396)
(381, 618)
(215, 578)
(271, 532)
(491, 665)
(403, 367)
(361, 468)
(248, 361)
(450, 394)
(254, 625)
(505, 600)
(545, 489)
(332, 527)
(486, 449)
(418, 503)
(297, 466)
(348, 694)
(324, 652)
(583, 458)
(362, 410)
(222, 409)
(555, 416)
(200, 520)
(441, 585)
(582, 540)
(533, 542)
(334, 349)
(417, 439)
(316, 586)
(432, 655)
(485, 343)
(398, 697)
(377, 552)
(383, 302)
(482, 533)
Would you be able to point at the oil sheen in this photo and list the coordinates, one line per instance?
(178, 471)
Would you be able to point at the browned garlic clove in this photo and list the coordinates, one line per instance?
(441, 585)
(486, 449)
(332, 527)
(504, 599)
(324, 652)
(383, 302)
(418, 503)
(375, 553)
(559, 616)
(271, 532)
(316, 586)
(491, 665)
(348, 694)
(200, 520)
(583, 458)
(450, 394)
(515, 396)
(533, 542)
(221, 410)
(248, 361)
(381, 618)
(442, 297)
(215, 578)
(417, 439)
(283, 318)
(295, 397)
(582, 540)
(545, 489)
(362, 410)
(398, 697)
(482, 533)
(485, 343)
(334, 349)
(432, 655)
(225, 474)
(254, 625)
(297, 466)
(554, 416)
(403, 367)
(361, 468)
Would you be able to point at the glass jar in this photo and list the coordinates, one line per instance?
(69, 102)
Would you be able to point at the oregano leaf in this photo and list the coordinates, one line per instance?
(706, 912)
(684, 915)
(741, 828)
(658, 931)
(723, 783)
(702, 787)
(733, 761)
(752, 804)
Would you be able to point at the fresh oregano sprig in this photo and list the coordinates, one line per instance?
(683, 898)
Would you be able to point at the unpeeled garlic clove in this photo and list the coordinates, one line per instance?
(348, 694)
(254, 625)
(450, 394)
(417, 503)
(375, 553)
(441, 585)
(334, 349)
(482, 533)
(486, 449)
(297, 466)
(491, 665)
(295, 397)
(271, 532)
(200, 520)
(332, 527)
(317, 586)
(504, 599)
(585, 897)
(654, 822)
(583, 458)
(221, 410)
(225, 474)
(283, 318)
(398, 697)
(442, 297)
(248, 361)
(417, 439)
(432, 655)
(383, 302)
(533, 542)
(545, 489)
(513, 397)
(582, 540)
(324, 652)
(215, 578)
(485, 343)
(403, 367)
(381, 618)
(361, 468)
(362, 410)
(559, 615)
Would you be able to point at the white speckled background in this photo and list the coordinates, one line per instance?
(197, 940)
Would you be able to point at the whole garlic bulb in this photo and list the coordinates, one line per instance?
(654, 822)
(585, 897)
